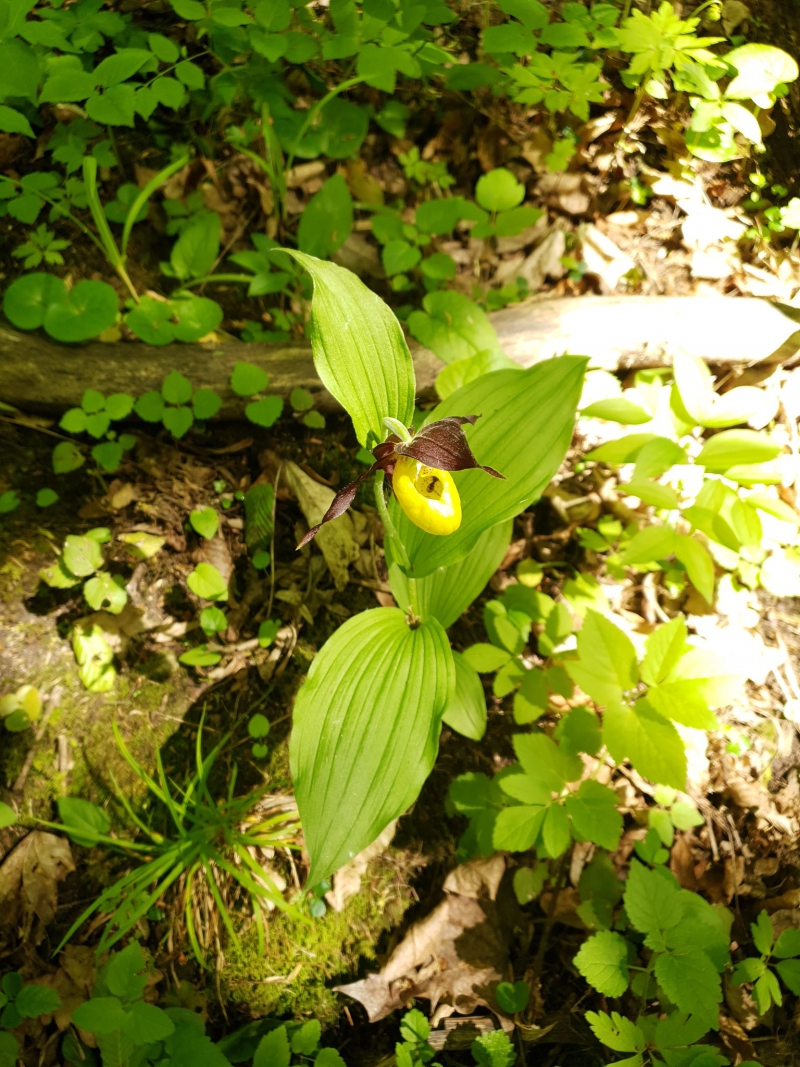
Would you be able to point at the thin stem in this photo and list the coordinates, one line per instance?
(212, 278)
(398, 548)
(637, 103)
(272, 545)
(314, 111)
(551, 916)
(64, 213)
(648, 973)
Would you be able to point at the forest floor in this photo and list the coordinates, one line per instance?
(634, 221)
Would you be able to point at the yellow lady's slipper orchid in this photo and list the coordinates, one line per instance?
(428, 496)
(418, 467)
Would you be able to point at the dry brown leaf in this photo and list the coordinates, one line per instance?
(362, 184)
(544, 261)
(605, 259)
(119, 495)
(29, 880)
(336, 540)
(218, 554)
(456, 956)
(359, 256)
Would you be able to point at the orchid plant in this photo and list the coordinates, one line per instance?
(368, 717)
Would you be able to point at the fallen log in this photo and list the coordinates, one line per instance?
(618, 332)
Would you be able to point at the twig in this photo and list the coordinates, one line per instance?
(551, 916)
(52, 704)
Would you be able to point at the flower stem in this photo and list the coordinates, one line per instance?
(398, 548)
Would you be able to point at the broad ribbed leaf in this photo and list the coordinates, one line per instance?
(447, 593)
(524, 431)
(366, 731)
(359, 350)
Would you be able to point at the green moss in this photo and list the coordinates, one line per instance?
(324, 949)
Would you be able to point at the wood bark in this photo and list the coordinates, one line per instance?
(618, 332)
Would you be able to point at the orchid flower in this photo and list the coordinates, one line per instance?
(418, 468)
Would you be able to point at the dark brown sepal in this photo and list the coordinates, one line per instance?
(442, 445)
(345, 497)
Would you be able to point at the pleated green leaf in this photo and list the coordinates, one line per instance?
(366, 731)
(448, 592)
(359, 350)
(526, 424)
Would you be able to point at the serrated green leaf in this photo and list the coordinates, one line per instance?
(606, 667)
(788, 944)
(273, 1049)
(517, 829)
(652, 901)
(663, 649)
(762, 932)
(691, 982)
(616, 1032)
(603, 962)
(543, 760)
(33, 1001)
(698, 563)
(532, 697)
(556, 834)
(593, 810)
(789, 970)
(648, 740)
(493, 1049)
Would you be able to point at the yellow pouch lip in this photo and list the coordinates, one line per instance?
(438, 514)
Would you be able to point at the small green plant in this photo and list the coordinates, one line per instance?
(191, 843)
(422, 172)
(177, 405)
(20, 1001)
(302, 403)
(780, 958)
(720, 486)
(41, 246)
(20, 710)
(657, 1041)
(81, 560)
(682, 939)
(248, 380)
(94, 417)
(69, 315)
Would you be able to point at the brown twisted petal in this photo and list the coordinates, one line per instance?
(442, 445)
(346, 495)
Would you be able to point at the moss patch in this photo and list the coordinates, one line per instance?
(325, 949)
